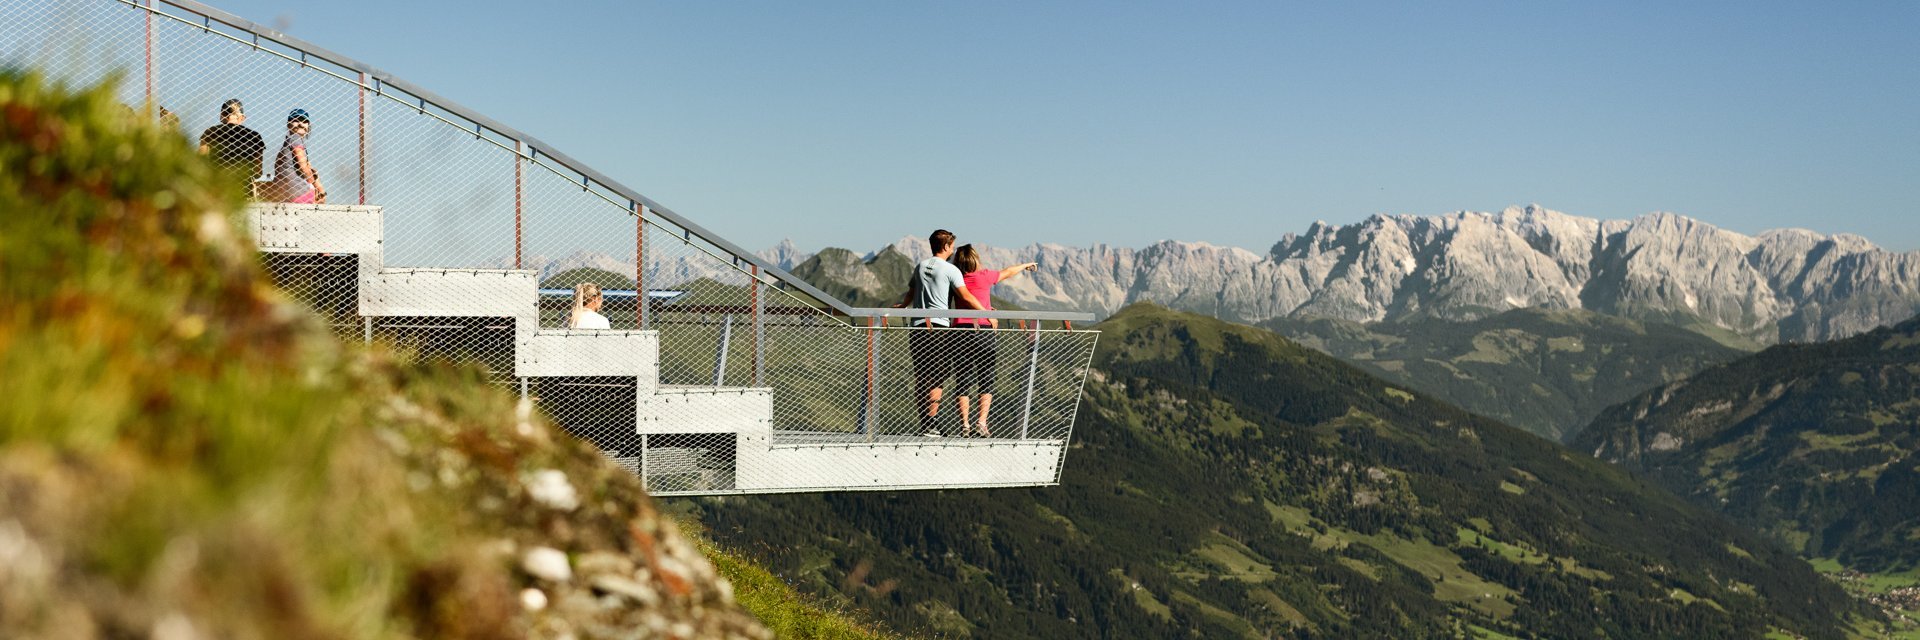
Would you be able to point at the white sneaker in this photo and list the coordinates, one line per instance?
(933, 434)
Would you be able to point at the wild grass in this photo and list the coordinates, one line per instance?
(787, 612)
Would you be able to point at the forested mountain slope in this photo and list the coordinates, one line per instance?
(1548, 372)
(1815, 444)
(1226, 482)
(877, 281)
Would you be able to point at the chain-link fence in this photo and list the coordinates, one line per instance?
(403, 217)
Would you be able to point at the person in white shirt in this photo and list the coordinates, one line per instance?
(586, 308)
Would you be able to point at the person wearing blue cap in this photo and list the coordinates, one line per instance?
(294, 179)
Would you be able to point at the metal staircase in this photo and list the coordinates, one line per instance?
(722, 373)
(604, 385)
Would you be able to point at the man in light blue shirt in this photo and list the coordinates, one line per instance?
(934, 284)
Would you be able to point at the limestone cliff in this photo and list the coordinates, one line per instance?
(1782, 285)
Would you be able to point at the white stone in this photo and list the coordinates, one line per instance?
(523, 418)
(175, 627)
(547, 563)
(533, 599)
(623, 587)
(1664, 441)
(549, 488)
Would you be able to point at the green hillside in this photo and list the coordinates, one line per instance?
(1225, 482)
(877, 282)
(606, 279)
(1546, 371)
(1817, 445)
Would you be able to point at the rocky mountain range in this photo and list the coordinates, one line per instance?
(664, 269)
(1782, 285)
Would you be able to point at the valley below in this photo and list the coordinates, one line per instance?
(1234, 483)
(1235, 480)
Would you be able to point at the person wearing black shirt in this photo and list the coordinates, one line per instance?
(232, 145)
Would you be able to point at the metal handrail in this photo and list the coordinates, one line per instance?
(1067, 316)
(536, 148)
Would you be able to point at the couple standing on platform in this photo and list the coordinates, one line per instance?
(960, 348)
(237, 149)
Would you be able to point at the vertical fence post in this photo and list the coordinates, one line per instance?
(640, 299)
(720, 354)
(519, 203)
(1033, 363)
(759, 332)
(148, 14)
(867, 408)
(363, 137)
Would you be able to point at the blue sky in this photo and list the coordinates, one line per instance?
(852, 124)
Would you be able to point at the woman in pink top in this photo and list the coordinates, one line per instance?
(294, 179)
(974, 374)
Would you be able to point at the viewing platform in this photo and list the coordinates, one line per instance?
(463, 237)
(739, 407)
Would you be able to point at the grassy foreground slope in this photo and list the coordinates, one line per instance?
(1226, 482)
(184, 453)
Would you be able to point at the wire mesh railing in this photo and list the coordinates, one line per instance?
(485, 231)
